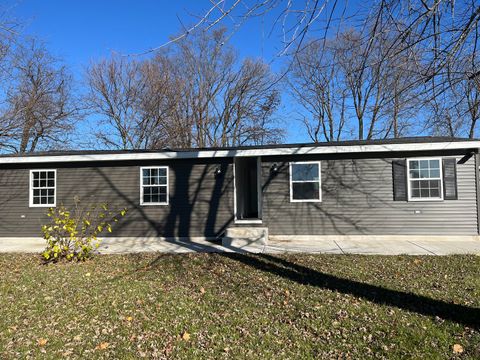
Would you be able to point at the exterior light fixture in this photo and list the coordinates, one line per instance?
(274, 168)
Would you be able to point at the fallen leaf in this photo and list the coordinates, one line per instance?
(457, 349)
(186, 336)
(129, 318)
(88, 274)
(102, 345)
(77, 338)
(202, 290)
(42, 342)
(417, 261)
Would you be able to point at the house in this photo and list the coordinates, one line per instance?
(384, 188)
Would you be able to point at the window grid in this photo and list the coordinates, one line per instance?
(295, 184)
(154, 185)
(43, 188)
(425, 179)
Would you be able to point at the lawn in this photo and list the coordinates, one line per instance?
(241, 306)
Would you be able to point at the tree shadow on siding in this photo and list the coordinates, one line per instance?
(422, 305)
(173, 223)
(342, 181)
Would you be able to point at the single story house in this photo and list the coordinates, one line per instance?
(397, 187)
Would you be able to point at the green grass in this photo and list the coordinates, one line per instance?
(241, 306)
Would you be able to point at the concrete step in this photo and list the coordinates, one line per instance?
(251, 239)
(246, 232)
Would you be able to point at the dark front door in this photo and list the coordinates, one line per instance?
(247, 188)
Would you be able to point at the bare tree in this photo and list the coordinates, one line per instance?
(40, 109)
(227, 103)
(435, 35)
(196, 95)
(314, 83)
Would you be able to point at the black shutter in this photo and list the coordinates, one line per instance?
(450, 179)
(399, 168)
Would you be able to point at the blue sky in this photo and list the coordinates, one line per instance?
(82, 31)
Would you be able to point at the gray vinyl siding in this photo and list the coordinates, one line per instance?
(201, 204)
(357, 199)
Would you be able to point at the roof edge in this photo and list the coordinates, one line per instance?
(230, 153)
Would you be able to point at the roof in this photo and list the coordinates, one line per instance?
(424, 143)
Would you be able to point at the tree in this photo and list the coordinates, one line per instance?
(40, 109)
(347, 86)
(196, 95)
(314, 83)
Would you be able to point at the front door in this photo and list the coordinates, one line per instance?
(247, 188)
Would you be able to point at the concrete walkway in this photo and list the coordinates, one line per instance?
(381, 247)
(410, 245)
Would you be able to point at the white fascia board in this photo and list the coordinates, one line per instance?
(307, 150)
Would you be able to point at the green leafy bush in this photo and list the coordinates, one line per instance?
(73, 234)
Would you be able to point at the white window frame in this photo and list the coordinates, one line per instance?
(142, 203)
(30, 189)
(319, 163)
(440, 162)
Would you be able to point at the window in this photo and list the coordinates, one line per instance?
(424, 179)
(154, 185)
(305, 183)
(42, 188)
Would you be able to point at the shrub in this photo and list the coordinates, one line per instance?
(73, 234)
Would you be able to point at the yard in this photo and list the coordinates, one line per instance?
(242, 306)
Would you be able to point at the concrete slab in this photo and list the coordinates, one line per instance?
(387, 247)
(21, 245)
(326, 245)
(449, 247)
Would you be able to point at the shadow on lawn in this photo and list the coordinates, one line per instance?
(419, 304)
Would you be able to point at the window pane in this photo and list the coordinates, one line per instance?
(306, 191)
(434, 192)
(423, 164)
(424, 174)
(162, 172)
(435, 173)
(414, 174)
(425, 189)
(434, 164)
(162, 198)
(36, 175)
(36, 200)
(413, 164)
(305, 172)
(434, 184)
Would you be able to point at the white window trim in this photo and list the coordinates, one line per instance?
(142, 203)
(30, 190)
(441, 179)
(319, 181)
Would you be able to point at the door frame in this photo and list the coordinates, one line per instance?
(259, 192)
